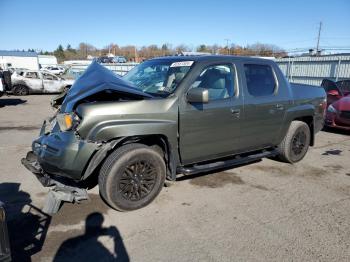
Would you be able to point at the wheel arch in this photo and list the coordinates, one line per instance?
(159, 142)
(21, 84)
(304, 113)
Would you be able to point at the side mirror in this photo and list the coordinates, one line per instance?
(198, 95)
(333, 93)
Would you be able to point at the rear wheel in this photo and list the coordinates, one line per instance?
(20, 90)
(295, 144)
(132, 177)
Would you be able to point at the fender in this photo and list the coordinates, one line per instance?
(107, 130)
(100, 155)
(114, 133)
(297, 112)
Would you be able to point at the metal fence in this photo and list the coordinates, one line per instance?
(311, 70)
(121, 68)
(304, 70)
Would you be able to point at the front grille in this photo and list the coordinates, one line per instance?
(345, 114)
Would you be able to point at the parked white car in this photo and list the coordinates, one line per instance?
(31, 81)
(57, 70)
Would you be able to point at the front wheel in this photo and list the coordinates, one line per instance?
(296, 143)
(131, 177)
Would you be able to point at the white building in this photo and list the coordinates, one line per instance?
(77, 62)
(19, 59)
(47, 60)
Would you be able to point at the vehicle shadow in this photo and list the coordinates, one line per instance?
(11, 102)
(27, 224)
(336, 131)
(86, 247)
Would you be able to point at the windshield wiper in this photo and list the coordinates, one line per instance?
(160, 93)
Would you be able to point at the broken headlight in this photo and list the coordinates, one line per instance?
(67, 121)
(331, 109)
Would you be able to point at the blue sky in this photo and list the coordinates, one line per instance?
(41, 24)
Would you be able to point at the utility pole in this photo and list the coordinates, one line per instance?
(228, 50)
(135, 49)
(318, 39)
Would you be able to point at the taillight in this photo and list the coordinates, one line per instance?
(323, 106)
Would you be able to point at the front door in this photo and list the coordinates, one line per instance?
(52, 84)
(211, 130)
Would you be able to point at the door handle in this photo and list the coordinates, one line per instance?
(279, 107)
(235, 112)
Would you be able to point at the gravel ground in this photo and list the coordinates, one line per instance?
(267, 211)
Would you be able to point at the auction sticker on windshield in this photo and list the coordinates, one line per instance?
(182, 63)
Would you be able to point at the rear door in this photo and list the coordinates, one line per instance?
(265, 103)
(211, 130)
(52, 84)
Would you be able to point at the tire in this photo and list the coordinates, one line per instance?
(296, 143)
(20, 90)
(131, 177)
(66, 89)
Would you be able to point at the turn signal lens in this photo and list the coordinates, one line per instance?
(67, 121)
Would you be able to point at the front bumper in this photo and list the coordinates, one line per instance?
(63, 190)
(62, 153)
(334, 120)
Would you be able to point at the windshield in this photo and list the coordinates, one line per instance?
(158, 77)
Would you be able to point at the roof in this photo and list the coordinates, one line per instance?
(18, 53)
(201, 58)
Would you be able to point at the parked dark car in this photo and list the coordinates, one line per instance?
(338, 103)
(344, 86)
(119, 59)
(5, 253)
(169, 116)
(104, 60)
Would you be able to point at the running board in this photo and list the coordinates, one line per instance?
(235, 161)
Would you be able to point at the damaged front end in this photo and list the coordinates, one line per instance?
(67, 191)
(61, 158)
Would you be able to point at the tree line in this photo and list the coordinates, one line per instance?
(132, 53)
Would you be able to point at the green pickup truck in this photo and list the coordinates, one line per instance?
(169, 116)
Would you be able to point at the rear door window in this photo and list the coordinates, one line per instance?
(260, 79)
(33, 75)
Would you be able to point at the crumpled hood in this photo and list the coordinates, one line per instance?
(343, 104)
(95, 79)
